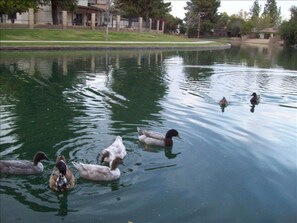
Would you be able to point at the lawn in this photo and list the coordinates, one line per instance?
(115, 39)
(83, 35)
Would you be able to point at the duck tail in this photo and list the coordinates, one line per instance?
(76, 165)
(118, 138)
(140, 131)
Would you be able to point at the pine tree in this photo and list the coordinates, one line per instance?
(255, 10)
(206, 10)
(273, 12)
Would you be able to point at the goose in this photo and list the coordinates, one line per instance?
(155, 138)
(98, 172)
(23, 167)
(61, 178)
(255, 99)
(116, 149)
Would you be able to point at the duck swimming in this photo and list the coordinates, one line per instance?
(99, 172)
(62, 178)
(223, 102)
(116, 149)
(155, 138)
(255, 99)
(23, 167)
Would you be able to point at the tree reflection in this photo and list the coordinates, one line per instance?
(143, 86)
(39, 102)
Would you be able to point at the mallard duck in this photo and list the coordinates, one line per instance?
(155, 138)
(255, 99)
(99, 172)
(24, 167)
(62, 178)
(116, 149)
(223, 102)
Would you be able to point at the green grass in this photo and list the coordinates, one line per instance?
(82, 35)
(92, 35)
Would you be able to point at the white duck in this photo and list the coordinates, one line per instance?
(98, 172)
(155, 138)
(23, 167)
(116, 149)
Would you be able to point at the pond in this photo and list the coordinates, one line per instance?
(233, 165)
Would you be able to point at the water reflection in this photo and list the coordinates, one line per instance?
(167, 151)
(32, 192)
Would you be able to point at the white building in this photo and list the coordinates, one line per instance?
(80, 16)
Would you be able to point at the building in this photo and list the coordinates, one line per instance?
(80, 16)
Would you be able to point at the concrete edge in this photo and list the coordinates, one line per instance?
(40, 48)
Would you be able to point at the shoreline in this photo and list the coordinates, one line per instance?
(115, 45)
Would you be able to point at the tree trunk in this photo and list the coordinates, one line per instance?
(54, 4)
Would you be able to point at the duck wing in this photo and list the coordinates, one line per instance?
(89, 168)
(119, 148)
(154, 135)
(93, 172)
(16, 166)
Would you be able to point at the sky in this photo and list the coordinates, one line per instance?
(234, 6)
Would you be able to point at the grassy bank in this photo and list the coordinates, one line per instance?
(47, 35)
(83, 35)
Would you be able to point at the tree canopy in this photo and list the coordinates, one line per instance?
(62, 4)
(274, 13)
(206, 10)
(11, 7)
(288, 29)
(255, 10)
(142, 8)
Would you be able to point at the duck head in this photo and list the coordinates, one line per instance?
(38, 157)
(115, 163)
(172, 133)
(104, 155)
(254, 94)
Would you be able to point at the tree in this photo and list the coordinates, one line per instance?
(293, 10)
(174, 25)
(11, 7)
(142, 8)
(206, 10)
(68, 5)
(255, 11)
(271, 10)
(288, 29)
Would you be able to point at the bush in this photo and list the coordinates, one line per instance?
(288, 31)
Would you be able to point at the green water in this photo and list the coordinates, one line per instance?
(231, 166)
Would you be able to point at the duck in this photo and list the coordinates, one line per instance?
(24, 167)
(116, 149)
(61, 178)
(99, 172)
(223, 102)
(255, 99)
(156, 138)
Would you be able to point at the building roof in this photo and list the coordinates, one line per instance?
(90, 8)
(269, 30)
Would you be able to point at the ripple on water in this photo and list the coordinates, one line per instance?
(236, 83)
